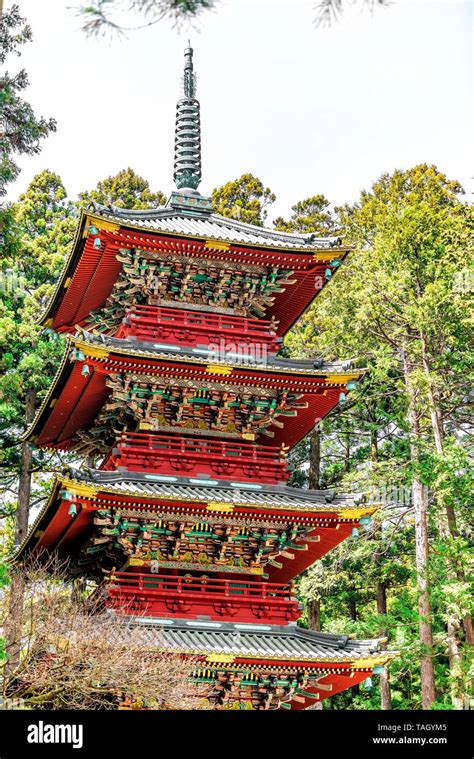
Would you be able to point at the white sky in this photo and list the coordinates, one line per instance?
(307, 110)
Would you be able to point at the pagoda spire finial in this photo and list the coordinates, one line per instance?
(187, 143)
(189, 78)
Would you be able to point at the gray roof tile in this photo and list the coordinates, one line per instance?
(142, 483)
(271, 641)
(212, 226)
(148, 349)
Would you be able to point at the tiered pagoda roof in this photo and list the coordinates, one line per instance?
(137, 501)
(171, 378)
(260, 641)
(203, 223)
(95, 368)
(267, 666)
(92, 268)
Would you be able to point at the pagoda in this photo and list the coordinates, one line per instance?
(171, 384)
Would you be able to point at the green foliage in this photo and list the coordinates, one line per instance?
(28, 356)
(402, 288)
(244, 199)
(46, 221)
(41, 205)
(311, 215)
(403, 285)
(21, 131)
(124, 190)
(38, 231)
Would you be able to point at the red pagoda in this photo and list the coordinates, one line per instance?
(172, 382)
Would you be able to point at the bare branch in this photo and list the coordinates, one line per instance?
(76, 655)
(330, 11)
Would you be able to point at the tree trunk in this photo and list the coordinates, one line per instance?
(374, 451)
(448, 529)
(352, 608)
(385, 694)
(314, 615)
(13, 624)
(24, 486)
(424, 601)
(457, 689)
(420, 505)
(451, 527)
(381, 590)
(347, 453)
(314, 475)
(381, 600)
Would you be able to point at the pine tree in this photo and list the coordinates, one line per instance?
(245, 199)
(21, 131)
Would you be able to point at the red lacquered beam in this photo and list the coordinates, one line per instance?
(180, 455)
(209, 446)
(191, 597)
(179, 584)
(192, 328)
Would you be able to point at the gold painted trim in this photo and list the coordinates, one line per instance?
(132, 562)
(341, 379)
(267, 248)
(220, 658)
(101, 224)
(355, 512)
(219, 369)
(92, 351)
(320, 255)
(49, 395)
(369, 663)
(226, 508)
(217, 244)
(79, 489)
(376, 660)
(323, 671)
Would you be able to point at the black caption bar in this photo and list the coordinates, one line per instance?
(120, 734)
